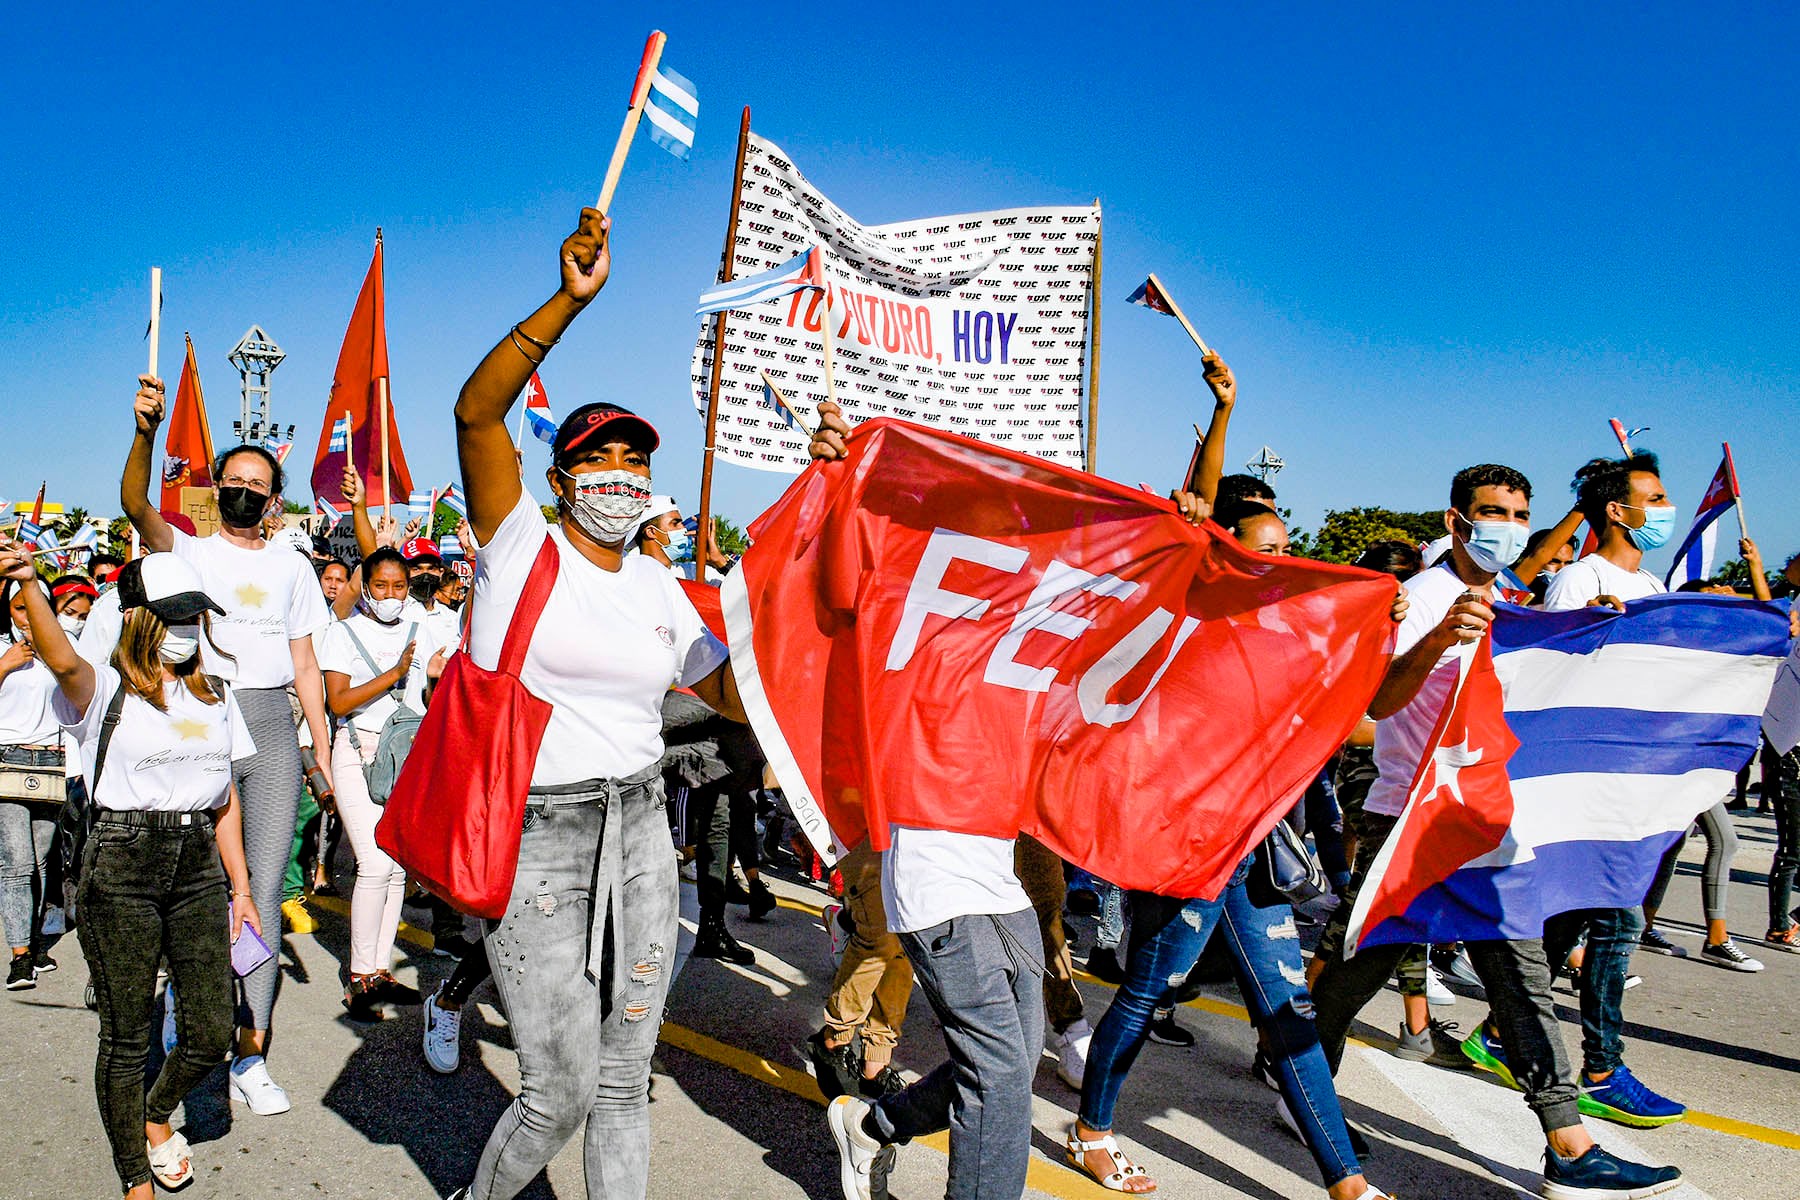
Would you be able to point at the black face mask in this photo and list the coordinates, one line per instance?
(424, 587)
(241, 508)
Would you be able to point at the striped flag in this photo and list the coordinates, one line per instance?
(422, 504)
(451, 497)
(1151, 297)
(673, 108)
(774, 399)
(331, 512)
(340, 436)
(450, 547)
(537, 411)
(1614, 730)
(277, 447)
(28, 531)
(804, 270)
(1694, 559)
(86, 538)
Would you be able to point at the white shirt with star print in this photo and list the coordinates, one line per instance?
(178, 760)
(270, 597)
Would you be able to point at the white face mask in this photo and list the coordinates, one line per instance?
(180, 643)
(608, 503)
(72, 624)
(386, 611)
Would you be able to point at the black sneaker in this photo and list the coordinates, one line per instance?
(1263, 1072)
(837, 1068)
(1597, 1175)
(21, 975)
(885, 1082)
(1165, 1030)
(41, 962)
(715, 941)
(762, 900)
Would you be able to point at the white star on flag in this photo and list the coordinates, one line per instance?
(1447, 764)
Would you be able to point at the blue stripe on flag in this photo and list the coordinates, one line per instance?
(1693, 558)
(741, 293)
(542, 427)
(1720, 624)
(1628, 741)
(673, 108)
(340, 436)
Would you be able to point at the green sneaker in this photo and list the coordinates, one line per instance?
(1488, 1054)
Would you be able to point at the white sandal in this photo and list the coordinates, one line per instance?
(1123, 1168)
(172, 1162)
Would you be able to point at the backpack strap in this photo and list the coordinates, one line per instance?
(108, 723)
(531, 606)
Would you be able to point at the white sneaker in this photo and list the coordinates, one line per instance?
(1071, 1046)
(857, 1151)
(170, 1035)
(1436, 994)
(443, 1029)
(251, 1085)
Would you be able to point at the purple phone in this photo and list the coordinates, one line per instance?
(249, 952)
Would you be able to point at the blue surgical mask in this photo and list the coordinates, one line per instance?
(1658, 526)
(1494, 545)
(680, 542)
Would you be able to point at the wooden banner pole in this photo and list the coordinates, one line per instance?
(825, 336)
(1737, 499)
(387, 500)
(704, 523)
(155, 318)
(640, 92)
(1179, 315)
(1093, 364)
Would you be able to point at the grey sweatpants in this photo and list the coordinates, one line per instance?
(268, 784)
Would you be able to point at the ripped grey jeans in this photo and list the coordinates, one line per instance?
(585, 1008)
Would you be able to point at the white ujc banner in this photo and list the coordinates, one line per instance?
(974, 324)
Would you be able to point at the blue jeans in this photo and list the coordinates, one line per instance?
(1167, 936)
(1110, 930)
(1612, 934)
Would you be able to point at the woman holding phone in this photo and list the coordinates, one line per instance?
(157, 740)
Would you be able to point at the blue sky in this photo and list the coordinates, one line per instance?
(1423, 236)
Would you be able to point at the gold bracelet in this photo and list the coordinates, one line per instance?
(513, 337)
(541, 345)
(245, 895)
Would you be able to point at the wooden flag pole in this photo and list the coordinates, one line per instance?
(387, 500)
(825, 336)
(1737, 499)
(519, 437)
(640, 92)
(704, 524)
(786, 403)
(1093, 364)
(1175, 309)
(155, 316)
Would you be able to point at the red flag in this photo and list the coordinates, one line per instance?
(705, 600)
(358, 387)
(37, 508)
(188, 449)
(1460, 806)
(943, 634)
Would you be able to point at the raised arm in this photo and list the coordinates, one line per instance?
(1223, 383)
(73, 673)
(1527, 568)
(1759, 582)
(134, 485)
(490, 466)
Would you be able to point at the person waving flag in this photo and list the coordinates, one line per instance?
(1694, 559)
(537, 411)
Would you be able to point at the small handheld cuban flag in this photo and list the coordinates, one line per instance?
(277, 447)
(1150, 294)
(450, 547)
(86, 538)
(537, 412)
(451, 497)
(28, 531)
(340, 436)
(1694, 559)
(422, 503)
(774, 399)
(804, 270)
(673, 108)
(329, 511)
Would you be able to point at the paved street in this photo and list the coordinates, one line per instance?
(735, 1114)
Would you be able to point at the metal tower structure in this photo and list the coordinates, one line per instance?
(1265, 464)
(256, 358)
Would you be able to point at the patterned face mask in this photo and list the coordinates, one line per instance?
(608, 503)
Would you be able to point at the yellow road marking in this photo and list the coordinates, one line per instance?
(769, 1072)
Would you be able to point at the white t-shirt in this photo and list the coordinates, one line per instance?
(385, 644)
(100, 636)
(26, 716)
(174, 761)
(444, 622)
(929, 876)
(1781, 719)
(608, 646)
(270, 596)
(1582, 580)
(1400, 739)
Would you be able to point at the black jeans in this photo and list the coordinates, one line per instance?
(152, 889)
(1785, 794)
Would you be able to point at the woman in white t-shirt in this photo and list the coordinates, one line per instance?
(157, 740)
(616, 633)
(30, 749)
(375, 662)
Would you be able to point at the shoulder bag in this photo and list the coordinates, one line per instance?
(398, 732)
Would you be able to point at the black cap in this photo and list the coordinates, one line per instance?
(598, 423)
(166, 585)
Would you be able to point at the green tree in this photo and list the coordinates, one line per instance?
(730, 538)
(1347, 532)
(118, 536)
(71, 521)
(1737, 574)
(295, 508)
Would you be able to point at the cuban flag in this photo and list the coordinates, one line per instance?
(1694, 559)
(1151, 297)
(537, 412)
(450, 547)
(451, 497)
(774, 399)
(1576, 749)
(277, 447)
(28, 531)
(46, 539)
(86, 538)
(804, 270)
(340, 436)
(422, 503)
(673, 108)
(329, 511)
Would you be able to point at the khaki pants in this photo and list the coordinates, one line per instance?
(1040, 873)
(874, 980)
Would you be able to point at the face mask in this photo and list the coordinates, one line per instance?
(680, 543)
(241, 508)
(180, 643)
(1659, 524)
(386, 611)
(72, 625)
(424, 587)
(1494, 545)
(608, 503)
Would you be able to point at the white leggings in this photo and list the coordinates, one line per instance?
(380, 881)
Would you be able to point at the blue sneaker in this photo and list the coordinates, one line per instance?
(1622, 1097)
(1597, 1175)
(1485, 1051)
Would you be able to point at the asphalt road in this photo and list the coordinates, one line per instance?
(735, 1115)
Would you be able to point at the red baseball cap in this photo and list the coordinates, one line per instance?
(417, 549)
(596, 424)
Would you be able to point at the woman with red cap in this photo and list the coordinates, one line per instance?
(584, 1001)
